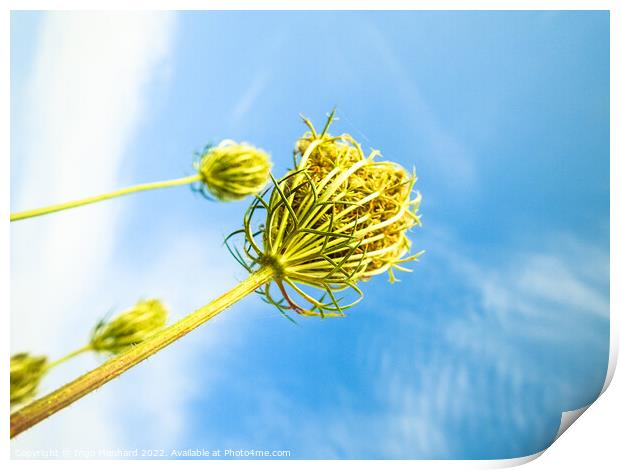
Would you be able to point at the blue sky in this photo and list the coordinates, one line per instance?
(503, 324)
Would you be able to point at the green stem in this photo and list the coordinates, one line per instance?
(71, 355)
(102, 197)
(40, 409)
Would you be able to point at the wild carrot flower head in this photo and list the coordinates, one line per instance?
(337, 218)
(26, 374)
(232, 171)
(130, 327)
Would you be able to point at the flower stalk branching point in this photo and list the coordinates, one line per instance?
(337, 218)
(229, 171)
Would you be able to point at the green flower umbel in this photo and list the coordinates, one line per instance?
(26, 374)
(130, 327)
(232, 171)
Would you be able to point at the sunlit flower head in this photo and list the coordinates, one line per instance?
(337, 218)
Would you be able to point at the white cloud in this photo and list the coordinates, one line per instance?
(84, 102)
(544, 279)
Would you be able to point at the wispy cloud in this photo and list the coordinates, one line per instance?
(514, 323)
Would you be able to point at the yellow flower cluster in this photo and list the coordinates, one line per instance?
(337, 218)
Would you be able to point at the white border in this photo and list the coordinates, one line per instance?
(588, 443)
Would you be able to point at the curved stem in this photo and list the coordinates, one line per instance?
(40, 409)
(102, 197)
(71, 355)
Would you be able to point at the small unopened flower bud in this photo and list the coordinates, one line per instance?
(232, 171)
(26, 374)
(130, 327)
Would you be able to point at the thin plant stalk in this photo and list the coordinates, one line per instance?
(102, 197)
(48, 405)
(71, 355)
